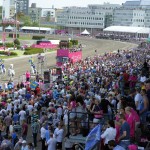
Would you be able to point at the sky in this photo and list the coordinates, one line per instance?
(62, 3)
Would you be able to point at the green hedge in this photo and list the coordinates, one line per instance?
(7, 44)
(70, 44)
(30, 51)
(11, 35)
(6, 53)
(36, 37)
(74, 42)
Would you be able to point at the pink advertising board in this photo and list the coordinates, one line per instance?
(63, 52)
(45, 45)
(75, 56)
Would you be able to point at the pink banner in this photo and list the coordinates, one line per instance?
(44, 46)
(4, 37)
(63, 52)
(75, 56)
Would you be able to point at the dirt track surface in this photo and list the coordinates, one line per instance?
(21, 64)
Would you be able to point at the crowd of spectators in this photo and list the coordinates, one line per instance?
(112, 89)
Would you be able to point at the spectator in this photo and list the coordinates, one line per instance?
(124, 139)
(109, 134)
(112, 146)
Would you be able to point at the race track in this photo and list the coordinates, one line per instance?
(21, 64)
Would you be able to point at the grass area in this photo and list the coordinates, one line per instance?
(25, 38)
(7, 57)
(51, 50)
(22, 38)
(19, 52)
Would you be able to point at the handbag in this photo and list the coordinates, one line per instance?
(99, 114)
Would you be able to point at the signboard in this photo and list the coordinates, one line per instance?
(46, 77)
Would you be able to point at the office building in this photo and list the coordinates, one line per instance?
(10, 7)
(133, 13)
(94, 17)
(35, 13)
(48, 15)
(22, 6)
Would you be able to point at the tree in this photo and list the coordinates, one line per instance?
(24, 18)
(48, 16)
(16, 42)
(35, 24)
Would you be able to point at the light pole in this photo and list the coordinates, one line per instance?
(16, 17)
(39, 24)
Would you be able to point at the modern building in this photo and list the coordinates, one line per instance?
(6, 9)
(133, 13)
(48, 15)
(22, 6)
(35, 13)
(94, 17)
(10, 7)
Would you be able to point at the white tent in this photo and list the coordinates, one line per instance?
(85, 32)
(127, 29)
(9, 28)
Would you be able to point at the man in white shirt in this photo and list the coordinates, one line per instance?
(59, 136)
(43, 131)
(22, 115)
(51, 142)
(15, 93)
(59, 112)
(138, 99)
(109, 133)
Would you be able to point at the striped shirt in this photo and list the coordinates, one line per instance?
(35, 127)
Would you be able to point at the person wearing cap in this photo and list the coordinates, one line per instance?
(24, 145)
(18, 145)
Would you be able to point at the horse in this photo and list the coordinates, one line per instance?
(11, 71)
(33, 69)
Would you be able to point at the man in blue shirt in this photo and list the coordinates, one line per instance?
(112, 145)
(47, 133)
(15, 117)
(124, 132)
(28, 96)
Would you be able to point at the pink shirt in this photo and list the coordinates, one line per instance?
(131, 122)
(27, 74)
(117, 132)
(136, 116)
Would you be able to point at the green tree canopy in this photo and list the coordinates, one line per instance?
(24, 18)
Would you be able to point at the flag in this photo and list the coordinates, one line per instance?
(93, 137)
(33, 84)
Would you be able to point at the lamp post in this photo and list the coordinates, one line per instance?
(16, 2)
(39, 24)
(16, 17)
